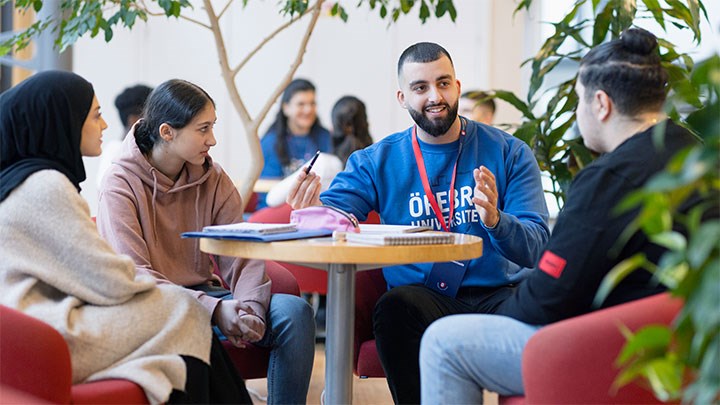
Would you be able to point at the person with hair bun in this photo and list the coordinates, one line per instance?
(165, 183)
(621, 89)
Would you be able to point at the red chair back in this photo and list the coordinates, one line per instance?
(36, 361)
(573, 361)
(34, 340)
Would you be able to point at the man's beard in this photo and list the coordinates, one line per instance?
(435, 127)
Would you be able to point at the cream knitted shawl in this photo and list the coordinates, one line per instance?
(57, 268)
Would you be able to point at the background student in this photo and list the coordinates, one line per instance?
(165, 183)
(57, 268)
(621, 88)
(474, 107)
(129, 104)
(296, 134)
(350, 132)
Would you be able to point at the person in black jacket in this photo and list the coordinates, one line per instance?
(621, 89)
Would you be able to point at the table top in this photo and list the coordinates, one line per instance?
(265, 185)
(327, 250)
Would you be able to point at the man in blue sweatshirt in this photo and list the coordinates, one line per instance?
(454, 175)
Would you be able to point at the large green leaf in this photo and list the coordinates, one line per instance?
(703, 242)
(618, 274)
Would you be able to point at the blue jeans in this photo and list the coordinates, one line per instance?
(290, 335)
(460, 355)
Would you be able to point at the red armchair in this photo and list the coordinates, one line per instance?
(572, 361)
(36, 361)
(569, 362)
(369, 286)
(252, 361)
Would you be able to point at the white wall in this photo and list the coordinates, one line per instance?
(358, 57)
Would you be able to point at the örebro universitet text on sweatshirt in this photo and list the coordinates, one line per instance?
(384, 177)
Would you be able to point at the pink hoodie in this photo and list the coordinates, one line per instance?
(142, 212)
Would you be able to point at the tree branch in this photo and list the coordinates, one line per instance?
(316, 9)
(267, 39)
(224, 9)
(161, 14)
(227, 75)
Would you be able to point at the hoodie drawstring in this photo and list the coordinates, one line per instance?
(154, 196)
(197, 226)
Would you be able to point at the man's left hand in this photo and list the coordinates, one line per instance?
(485, 196)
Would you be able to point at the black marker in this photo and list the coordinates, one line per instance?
(312, 162)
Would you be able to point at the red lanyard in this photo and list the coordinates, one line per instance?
(426, 183)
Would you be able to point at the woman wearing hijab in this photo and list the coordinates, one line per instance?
(57, 268)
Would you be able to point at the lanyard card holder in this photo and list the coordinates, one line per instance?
(446, 277)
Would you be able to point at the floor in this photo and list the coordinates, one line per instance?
(370, 391)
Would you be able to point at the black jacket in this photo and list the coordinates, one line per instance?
(578, 255)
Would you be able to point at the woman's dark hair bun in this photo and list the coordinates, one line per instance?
(639, 41)
(143, 136)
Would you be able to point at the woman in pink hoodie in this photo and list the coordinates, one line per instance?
(165, 183)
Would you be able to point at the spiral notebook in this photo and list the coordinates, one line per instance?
(396, 239)
(252, 227)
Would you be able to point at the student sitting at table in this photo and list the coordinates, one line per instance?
(294, 136)
(452, 174)
(350, 132)
(165, 183)
(56, 268)
(621, 88)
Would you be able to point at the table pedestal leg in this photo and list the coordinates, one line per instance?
(340, 324)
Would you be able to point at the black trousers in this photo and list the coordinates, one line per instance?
(400, 318)
(218, 383)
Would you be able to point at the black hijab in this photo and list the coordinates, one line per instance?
(41, 122)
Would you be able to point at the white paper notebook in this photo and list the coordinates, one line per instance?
(252, 227)
(395, 239)
(385, 229)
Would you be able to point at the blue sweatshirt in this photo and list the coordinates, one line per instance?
(300, 149)
(384, 177)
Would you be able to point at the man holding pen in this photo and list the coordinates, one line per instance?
(462, 177)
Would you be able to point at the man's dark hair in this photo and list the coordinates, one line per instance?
(479, 98)
(131, 101)
(628, 69)
(422, 52)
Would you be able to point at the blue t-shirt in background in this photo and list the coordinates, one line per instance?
(300, 149)
(384, 177)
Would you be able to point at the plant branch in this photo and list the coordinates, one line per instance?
(161, 14)
(219, 16)
(296, 64)
(224, 64)
(267, 39)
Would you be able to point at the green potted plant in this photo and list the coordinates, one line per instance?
(547, 114)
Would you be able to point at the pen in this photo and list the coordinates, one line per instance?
(312, 162)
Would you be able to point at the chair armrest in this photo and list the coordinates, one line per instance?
(108, 392)
(573, 361)
(35, 357)
(283, 281)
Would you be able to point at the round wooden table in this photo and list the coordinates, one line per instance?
(342, 260)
